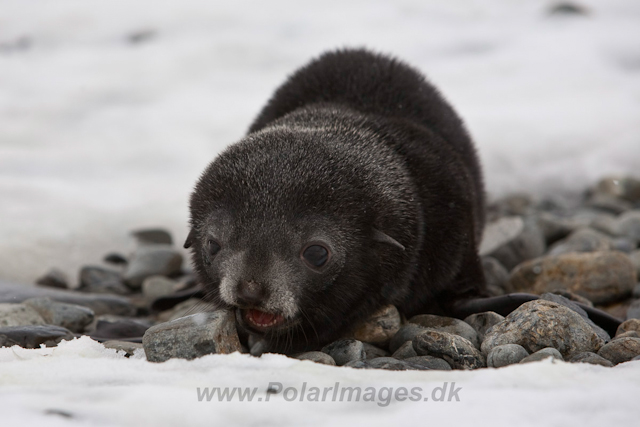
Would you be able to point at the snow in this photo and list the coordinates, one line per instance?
(98, 386)
(99, 136)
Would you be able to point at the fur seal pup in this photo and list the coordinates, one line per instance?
(357, 186)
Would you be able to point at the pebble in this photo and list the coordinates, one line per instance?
(406, 333)
(19, 315)
(628, 225)
(626, 188)
(111, 328)
(555, 227)
(152, 236)
(539, 324)
(192, 336)
(54, 279)
(71, 316)
(545, 353)
(373, 352)
(506, 354)
(154, 287)
(459, 352)
(345, 351)
(405, 351)
(635, 259)
(482, 322)
(433, 363)
(582, 240)
(103, 281)
(317, 356)
(185, 308)
(512, 240)
(129, 348)
(601, 277)
(629, 325)
(559, 299)
(391, 364)
(609, 204)
(632, 334)
(150, 260)
(380, 327)
(447, 324)
(495, 275)
(31, 336)
(592, 358)
(621, 350)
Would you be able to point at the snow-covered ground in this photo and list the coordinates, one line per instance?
(109, 111)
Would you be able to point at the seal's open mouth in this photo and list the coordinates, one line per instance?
(261, 320)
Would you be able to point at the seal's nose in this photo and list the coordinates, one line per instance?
(250, 293)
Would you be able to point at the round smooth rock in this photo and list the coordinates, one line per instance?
(32, 336)
(317, 357)
(192, 336)
(54, 279)
(622, 187)
(380, 327)
(157, 286)
(506, 354)
(447, 324)
(102, 281)
(628, 225)
(601, 277)
(482, 322)
(71, 316)
(129, 348)
(406, 333)
(621, 350)
(391, 364)
(629, 325)
(117, 329)
(539, 324)
(405, 351)
(152, 236)
(374, 352)
(512, 240)
(459, 352)
(545, 353)
(150, 260)
(632, 334)
(559, 299)
(430, 362)
(582, 240)
(588, 357)
(345, 351)
(633, 312)
(635, 259)
(19, 315)
(495, 275)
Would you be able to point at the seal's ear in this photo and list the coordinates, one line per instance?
(379, 236)
(190, 238)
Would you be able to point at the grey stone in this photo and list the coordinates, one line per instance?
(102, 281)
(129, 348)
(512, 240)
(357, 364)
(119, 328)
(318, 357)
(626, 188)
(32, 336)
(608, 204)
(459, 352)
(592, 358)
(19, 315)
(186, 308)
(151, 260)
(406, 333)
(482, 322)
(430, 362)
(621, 350)
(380, 327)
(559, 299)
(573, 297)
(629, 325)
(391, 364)
(71, 316)
(545, 353)
(539, 324)
(192, 336)
(555, 227)
(628, 225)
(506, 354)
(152, 236)
(345, 351)
(99, 303)
(447, 324)
(373, 352)
(405, 351)
(632, 334)
(157, 286)
(601, 277)
(54, 279)
(582, 240)
(495, 275)
(623, 244)
(635, 259)
(633, 312)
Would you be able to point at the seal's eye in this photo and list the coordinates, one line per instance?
(213, 247)
(315, 255)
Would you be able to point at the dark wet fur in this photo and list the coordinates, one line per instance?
(366, 142)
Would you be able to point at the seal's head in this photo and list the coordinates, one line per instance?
(286, 232)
